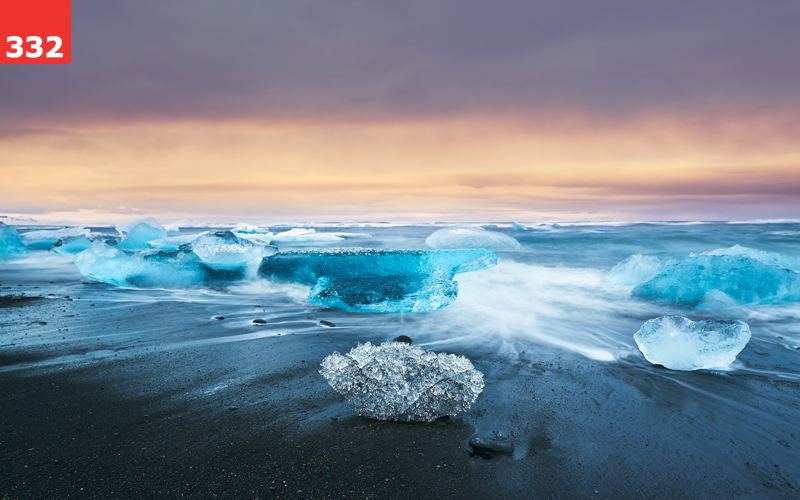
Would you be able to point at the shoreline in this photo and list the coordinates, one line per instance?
(147, 400)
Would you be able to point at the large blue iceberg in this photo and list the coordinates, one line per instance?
(377, 280)
(11, 246)
(472, 237)
(679, 343)
(732, 276)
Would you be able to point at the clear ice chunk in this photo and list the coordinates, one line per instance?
(43, 240)
(472, 237)
(734, 275)
(11, 245)
(679, 343)
(399, 381)
(224, 250)
(140, 234)
(377, 280)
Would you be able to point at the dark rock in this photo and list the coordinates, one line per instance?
(322, 322)
(480, 444)
(260, 321)
(219, 317)
(403, 338)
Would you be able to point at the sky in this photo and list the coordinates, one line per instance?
(435, 110)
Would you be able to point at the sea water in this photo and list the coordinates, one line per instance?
(550, 295)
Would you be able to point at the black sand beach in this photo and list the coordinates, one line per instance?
(157, 400)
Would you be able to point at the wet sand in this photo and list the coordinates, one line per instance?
(159, 400)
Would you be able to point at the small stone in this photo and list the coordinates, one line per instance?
(403, 338)
(485, 445)
(219, 317)
(260, 321)
(329, 324)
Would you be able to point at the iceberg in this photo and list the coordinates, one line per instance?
(72, 246)
(632, 271)
(247, 228)
(679, 343)
(43, 240)
(139, 235)
(173, 243)
(472, 237)
(224, 250)
(11, 245)
(398, 381)
(152, 269)
(735, 275)
(177, 262)
(299, 235)
(377, 280)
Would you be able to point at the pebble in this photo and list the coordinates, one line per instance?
(260, 321)
(322, 322)
(481, 444)
(219, 317)
(403, 338)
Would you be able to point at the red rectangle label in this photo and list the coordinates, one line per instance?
(35, 31)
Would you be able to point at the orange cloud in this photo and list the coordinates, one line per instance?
(481, 168)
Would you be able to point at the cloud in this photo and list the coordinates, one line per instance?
(365, 60)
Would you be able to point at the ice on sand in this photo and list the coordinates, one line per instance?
(472, 237)
(679, 343)
(398, 381)
(377, 280)
(11, 245)
(735, 275)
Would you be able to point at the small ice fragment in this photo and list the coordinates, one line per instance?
(398, 381)
(139, 234)
(11, 245)
(679, 343)
(377, 280)
(472, 237)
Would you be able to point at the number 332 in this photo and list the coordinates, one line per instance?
(35, 46)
